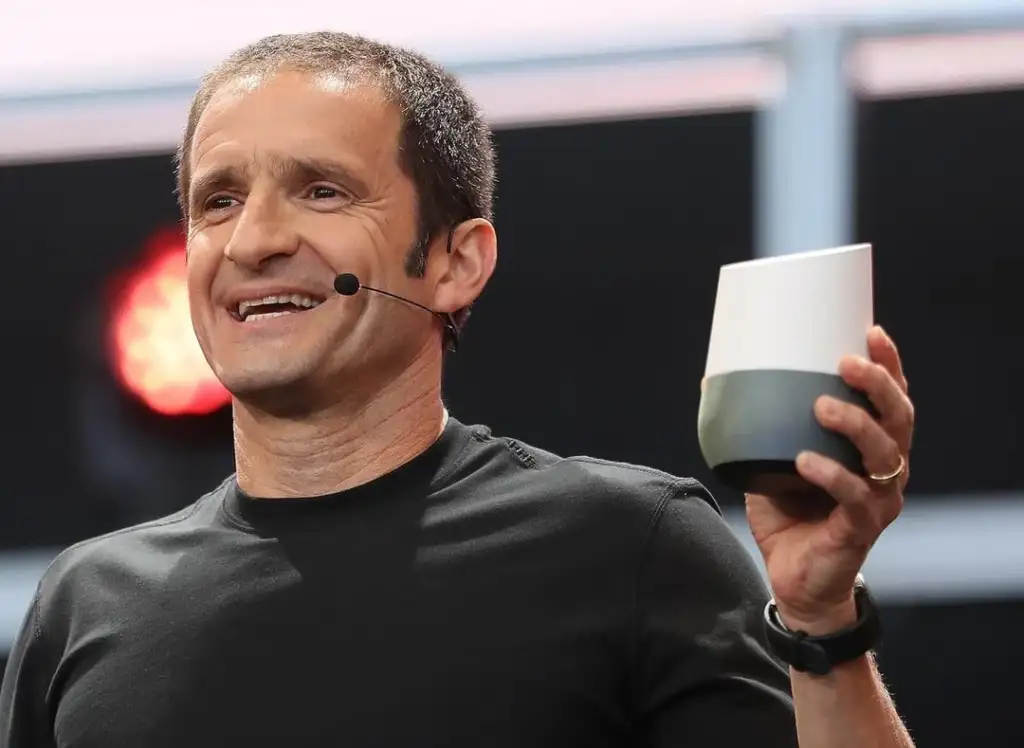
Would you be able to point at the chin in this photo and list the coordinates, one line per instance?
(249, 363)
(259, 380)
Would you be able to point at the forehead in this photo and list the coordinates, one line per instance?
(298, 114)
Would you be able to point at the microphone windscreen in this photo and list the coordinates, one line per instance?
(346, 284)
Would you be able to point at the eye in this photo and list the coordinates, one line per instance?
(218, 202)
(324, 192)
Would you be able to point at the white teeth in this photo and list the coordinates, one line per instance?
(266, 315)
(244, 307)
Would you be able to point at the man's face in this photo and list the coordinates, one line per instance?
(295, 179)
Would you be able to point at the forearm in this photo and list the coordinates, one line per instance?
(850, 706)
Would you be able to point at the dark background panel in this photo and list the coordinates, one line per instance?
(591, 338)
(592, 335)
(941, 197)
(68, 227)
(953, 671)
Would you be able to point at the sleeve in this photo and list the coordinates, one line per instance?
(703, 673)
(24, 718)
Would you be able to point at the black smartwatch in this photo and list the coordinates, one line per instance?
(819, 654)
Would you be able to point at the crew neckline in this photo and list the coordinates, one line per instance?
(423, 474)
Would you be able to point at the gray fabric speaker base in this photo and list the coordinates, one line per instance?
(753, 424)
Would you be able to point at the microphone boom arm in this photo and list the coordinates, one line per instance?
(347, 284)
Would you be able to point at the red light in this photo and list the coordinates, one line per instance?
(155, 352)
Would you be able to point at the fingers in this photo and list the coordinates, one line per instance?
(864, 513)
(880, 451)
(883, 351)
(895, 410)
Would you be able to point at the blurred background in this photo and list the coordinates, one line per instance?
(642, 144)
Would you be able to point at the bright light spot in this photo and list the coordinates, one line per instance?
(156, 354)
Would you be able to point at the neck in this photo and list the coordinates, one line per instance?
(344, 445)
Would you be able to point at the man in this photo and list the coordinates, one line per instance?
(379, 574)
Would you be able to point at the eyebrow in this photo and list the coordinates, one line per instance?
(288, 169)
(213, 180)
(310, 169)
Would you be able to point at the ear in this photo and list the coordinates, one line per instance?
(462, 273)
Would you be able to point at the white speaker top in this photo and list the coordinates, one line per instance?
(798, 312)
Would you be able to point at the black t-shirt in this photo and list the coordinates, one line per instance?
(486, 593)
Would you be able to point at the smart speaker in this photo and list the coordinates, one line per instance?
(781, 326)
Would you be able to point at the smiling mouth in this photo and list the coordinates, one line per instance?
(252, 310)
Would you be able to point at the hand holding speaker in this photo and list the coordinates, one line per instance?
(813, 558)
(804, 409)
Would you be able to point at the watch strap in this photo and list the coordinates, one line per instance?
(819, 654)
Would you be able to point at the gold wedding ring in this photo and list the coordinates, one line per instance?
(884, 479)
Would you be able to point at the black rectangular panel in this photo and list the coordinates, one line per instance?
(940, 195)
(953, 671)
(68, 228)
(592, 335)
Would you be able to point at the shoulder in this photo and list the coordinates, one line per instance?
(649, 486)
(665, 532)
(574, 472)
(98, 566)
(601, 490)
(683, 525)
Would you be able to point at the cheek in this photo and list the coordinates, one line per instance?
(341, 245)
(201, 271)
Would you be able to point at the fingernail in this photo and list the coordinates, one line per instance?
(805, 460)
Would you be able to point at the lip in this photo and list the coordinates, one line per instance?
(239, 295)
(267, 323)
(251, 324)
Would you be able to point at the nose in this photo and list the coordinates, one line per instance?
(261, 232)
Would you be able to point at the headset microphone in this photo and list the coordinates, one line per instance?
(347, 284)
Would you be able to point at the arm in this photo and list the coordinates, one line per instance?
(813, 558)
(849, 707)
(24, 719)
(703, 675)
